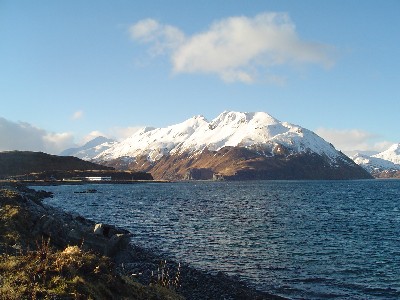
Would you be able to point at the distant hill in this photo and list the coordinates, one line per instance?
(25, 162)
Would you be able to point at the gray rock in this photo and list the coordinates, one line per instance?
(74, 237)
(117, 242)
(98, 229)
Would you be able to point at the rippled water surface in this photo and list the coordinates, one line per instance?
(299, 239)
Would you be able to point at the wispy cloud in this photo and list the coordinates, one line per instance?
(24, 136)
(91, 135)
(349, 140)
(121, 133)
(116, 133)
(163, 37)
(236, 49)
(77, 115)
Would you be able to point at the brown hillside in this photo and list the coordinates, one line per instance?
(236, 163)
(24, 162)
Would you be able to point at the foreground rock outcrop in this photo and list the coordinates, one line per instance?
(25, 220)
(37, 263)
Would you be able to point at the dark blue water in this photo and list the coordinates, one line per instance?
(299, 239)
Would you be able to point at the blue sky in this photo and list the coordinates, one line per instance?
(70, 70)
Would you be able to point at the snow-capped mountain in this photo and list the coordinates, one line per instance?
(228, 129)
(373, 163)
(196, 143)
(383, 164)
(392, 154)
(90, 149)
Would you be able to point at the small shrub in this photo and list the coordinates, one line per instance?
(45, 273)
(165, 277)
(72, 274)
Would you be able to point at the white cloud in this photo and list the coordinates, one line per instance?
(24, 136)
(237, 75)
(236, 48)
(77, 115)
(56, 142)
(350, 140)
(121, 133)
(163, 37)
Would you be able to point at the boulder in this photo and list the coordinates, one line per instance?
(98, 229)
(116, 243)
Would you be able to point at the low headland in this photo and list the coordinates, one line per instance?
(46, 253)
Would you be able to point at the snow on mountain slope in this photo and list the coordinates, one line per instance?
(392, 154)
(374, 164)
(90, 149)
(248, 130)
(154, 142)
(388, 160)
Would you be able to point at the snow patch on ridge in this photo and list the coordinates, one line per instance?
(91, 149)
(392, 154)
(384, 161)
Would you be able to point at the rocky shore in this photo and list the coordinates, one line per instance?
(141, 265)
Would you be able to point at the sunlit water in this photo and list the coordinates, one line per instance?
(299, 239)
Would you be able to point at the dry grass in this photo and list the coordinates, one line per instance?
(166, 276)
(13, 220)
(68, 274)
(47, 273)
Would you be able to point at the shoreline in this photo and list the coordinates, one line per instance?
(74, 182)
(67, 229)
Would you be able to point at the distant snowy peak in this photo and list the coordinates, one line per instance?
(90, 149)
(250, 130)
(384, 162)
(97, 141)
(255, 129)
(392, 154)
(374, 164)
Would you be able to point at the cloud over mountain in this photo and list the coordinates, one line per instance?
(236, 48)
(348, 140)
(24, 136)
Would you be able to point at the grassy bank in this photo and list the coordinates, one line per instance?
(32, 267)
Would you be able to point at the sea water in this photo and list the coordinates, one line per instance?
(299, 239)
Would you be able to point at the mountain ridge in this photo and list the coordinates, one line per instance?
(90, 148)
(385, 164)
(228, 129)
(392, 154)
(271, 149)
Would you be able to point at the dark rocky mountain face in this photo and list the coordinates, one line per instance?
(238, 163)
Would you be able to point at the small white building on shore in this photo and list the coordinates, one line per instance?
(98, 178)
